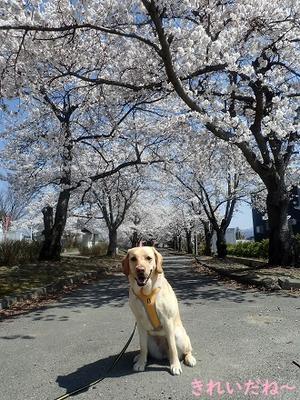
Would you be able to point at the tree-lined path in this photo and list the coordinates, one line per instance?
(105, 103)
(237, 336)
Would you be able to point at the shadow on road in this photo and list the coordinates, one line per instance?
(190, 287)
(12, 337)
(111, 290)
(96, 370)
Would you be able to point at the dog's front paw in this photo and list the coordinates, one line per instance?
(139, 363)
(190, 360)
(176, 369)
(136, 358)
(139, 366)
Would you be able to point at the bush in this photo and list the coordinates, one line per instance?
(97, 250)
(249, 249)
(70, 241)
(260, 249)
(13, 252)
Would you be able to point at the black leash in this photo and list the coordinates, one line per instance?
(295, 363)
(117, 359)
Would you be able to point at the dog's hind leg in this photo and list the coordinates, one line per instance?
(184, 347)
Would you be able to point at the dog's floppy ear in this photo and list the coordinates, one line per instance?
(125, 265)
(159, 261)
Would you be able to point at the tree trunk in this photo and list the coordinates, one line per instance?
(53, 232)
(221, 243)
(47, 232)
(175, 241)
(208, 233)
(112, 244)
(279, 233)
(179, 243)
(134, 239)
(189, 244)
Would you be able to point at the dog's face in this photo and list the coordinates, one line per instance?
(141, 262)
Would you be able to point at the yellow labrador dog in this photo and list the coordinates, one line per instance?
(154, 304)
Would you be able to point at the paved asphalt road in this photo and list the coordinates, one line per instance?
(237, 336)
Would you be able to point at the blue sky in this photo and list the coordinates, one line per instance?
(242, 218)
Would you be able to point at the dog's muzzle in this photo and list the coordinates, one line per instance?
(141, 278)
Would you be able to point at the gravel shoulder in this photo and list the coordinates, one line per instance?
(261, 276)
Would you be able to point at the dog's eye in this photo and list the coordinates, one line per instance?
(148, 258)
(133, 259)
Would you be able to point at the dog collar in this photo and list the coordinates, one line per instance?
(148, 301)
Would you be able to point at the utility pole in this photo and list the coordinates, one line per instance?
(195, 243)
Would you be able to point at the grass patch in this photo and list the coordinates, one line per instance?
(14, 252)
(32, 275)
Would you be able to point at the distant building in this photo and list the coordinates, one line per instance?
(260, 226)
(19, 234)
(260, 223)
(90, 237)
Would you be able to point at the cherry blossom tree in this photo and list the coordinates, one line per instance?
(189, 223)
(244, 86)
(12, 208)
(65, 144)
(69, 134)
(150, 219)
(183, 225)
(233, 64)
(207, 227)
(215, 181)
(114, 197)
